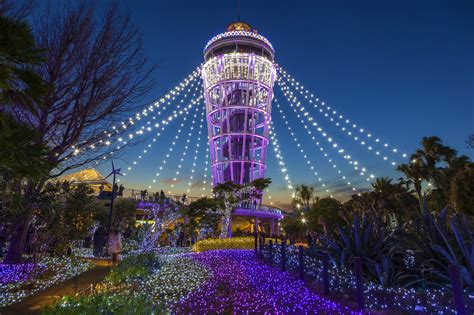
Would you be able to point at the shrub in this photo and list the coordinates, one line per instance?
(440, 241)
(134, 267)
(224, 243)
(106, 303)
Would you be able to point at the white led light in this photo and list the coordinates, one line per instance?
(323, 108)
(292, 100)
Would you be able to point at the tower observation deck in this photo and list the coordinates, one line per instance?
(238, 76)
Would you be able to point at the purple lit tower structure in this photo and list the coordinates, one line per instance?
(238, 76)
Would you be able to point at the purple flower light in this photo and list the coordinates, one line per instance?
(242, 284)
(20, 272)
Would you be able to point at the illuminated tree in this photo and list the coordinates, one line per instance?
(231, 194)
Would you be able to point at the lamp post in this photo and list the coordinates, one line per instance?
(114, 172)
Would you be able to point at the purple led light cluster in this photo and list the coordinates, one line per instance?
(18, 273)
(241, 284)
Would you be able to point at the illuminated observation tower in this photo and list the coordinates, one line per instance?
(238, 76)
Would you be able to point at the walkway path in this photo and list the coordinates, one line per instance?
(243, 284)
(33, 304)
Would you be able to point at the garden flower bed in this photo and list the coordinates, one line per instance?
(241, 284)
(217, 281)
(142, 284)
(22, 280)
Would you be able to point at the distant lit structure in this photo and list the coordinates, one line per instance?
(238, 76)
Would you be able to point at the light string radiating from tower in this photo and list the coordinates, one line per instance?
(293, 101)
(301, 149)
(343, 129)
(299, 146)
(279, 157)
(116, 131)
(141, 125)
(188, 140)
(177, 112)
(205, 181)
(321, 149)
(343, 121)
(171, 147)
(195, 156)
(150, 124)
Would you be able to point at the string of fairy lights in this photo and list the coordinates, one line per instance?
(171, 148)
(205, 181)
(301, 149)
(176, 113)
(340, 121)
(187, 143)
(294, 103)
(195, 156)
(142, 128)
(299, 146)
(149, 118)
(107, 140)
(279, 157)
(150, 124)
(321, 149)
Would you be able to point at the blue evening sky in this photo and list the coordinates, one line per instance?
(399, 69)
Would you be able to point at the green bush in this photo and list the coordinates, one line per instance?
(134, 267)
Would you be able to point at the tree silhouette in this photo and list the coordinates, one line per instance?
(96, 75)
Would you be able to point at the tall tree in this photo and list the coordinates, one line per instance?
(20, 84)
(325, 215)
(423, 163)
(304, 196)
(24, 154)
(203, 213)
(390, 201)
(230, 195)
(97, 76)
(462, 190)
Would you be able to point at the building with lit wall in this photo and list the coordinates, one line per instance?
(238, 75)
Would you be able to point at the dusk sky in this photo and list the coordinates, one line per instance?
(401, 70)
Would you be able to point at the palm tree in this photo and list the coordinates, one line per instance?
(433, 151)
(304, 195)
(383, 185)
(19, 82)
(423, 163)
(24, 154)
(415, 171)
